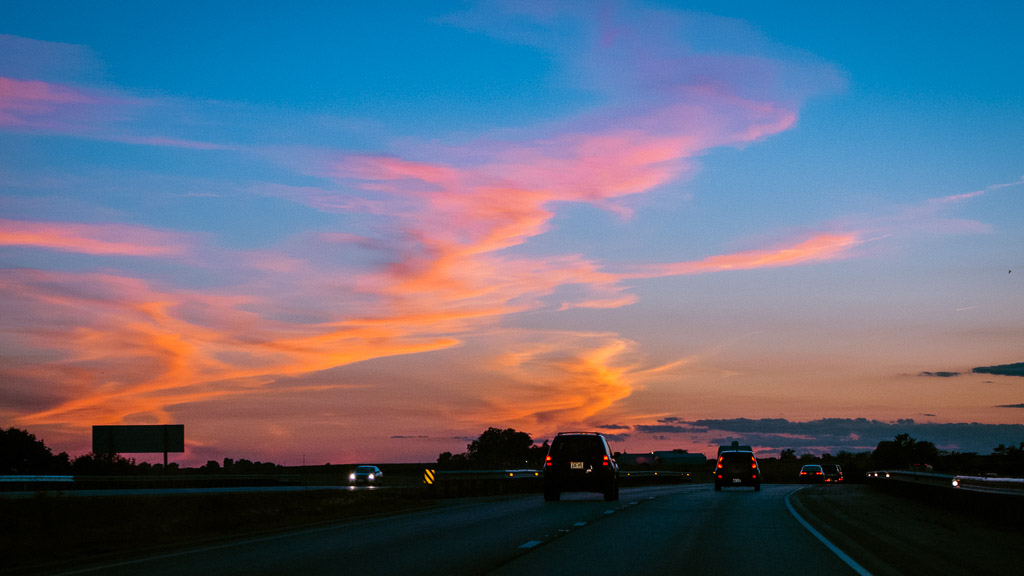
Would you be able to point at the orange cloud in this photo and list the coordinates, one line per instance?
(110, 347)
(817, 248)
(97, 239)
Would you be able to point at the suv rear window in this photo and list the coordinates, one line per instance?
(583, 446)
(733, 457)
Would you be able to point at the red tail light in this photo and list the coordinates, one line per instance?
(604, 461)
(547, 461)
(719, 463)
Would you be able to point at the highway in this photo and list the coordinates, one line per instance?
(654, 530)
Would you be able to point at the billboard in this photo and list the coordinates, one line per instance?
(130, 439)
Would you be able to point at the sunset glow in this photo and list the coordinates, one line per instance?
(370, 235)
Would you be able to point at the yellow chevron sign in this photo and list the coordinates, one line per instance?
(428, 476)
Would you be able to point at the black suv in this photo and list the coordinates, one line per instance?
(580, 462)
(833, 472)
(737, 468)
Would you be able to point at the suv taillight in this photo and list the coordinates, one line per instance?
(604, 461)
(547, 461)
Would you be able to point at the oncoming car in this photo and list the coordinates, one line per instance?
(737, 468)
(366, 475)
(812, 473)
(580, 462)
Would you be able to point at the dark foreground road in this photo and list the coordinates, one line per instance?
(656, 530)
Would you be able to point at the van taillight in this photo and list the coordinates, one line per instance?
(547, 460)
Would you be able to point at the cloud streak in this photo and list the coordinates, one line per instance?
(94, 239)
(37, 106)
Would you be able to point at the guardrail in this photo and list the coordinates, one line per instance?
(990, 485)
(987, 484)
(25, 482)
(995, 499)
(667, 475)
(44, 483)
(455, 483)
(37, 478)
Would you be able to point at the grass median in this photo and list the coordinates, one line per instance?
(52, 530)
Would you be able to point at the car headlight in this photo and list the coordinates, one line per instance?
(370, 477)
(352, 476)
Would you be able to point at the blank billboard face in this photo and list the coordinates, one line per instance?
(131, 439)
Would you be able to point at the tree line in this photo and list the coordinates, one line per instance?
(505, 449)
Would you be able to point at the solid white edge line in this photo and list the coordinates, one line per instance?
(828, 544)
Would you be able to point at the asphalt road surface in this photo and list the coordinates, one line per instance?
(652, 530)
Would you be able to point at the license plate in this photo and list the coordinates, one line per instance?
(576, 465)
(737, 480)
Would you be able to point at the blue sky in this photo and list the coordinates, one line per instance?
(400, 224)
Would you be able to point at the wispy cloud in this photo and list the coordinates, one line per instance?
(30, 103)
(36, 106)
(820, 247)
(445, 267)
(96, 239)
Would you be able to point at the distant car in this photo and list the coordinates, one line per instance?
(812, 473)
(737, 468)
(366, 475)
(580, 462)
(833, 473)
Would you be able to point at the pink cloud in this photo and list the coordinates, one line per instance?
(169, 142)
(27, 103)
(96, 239)
(820, 247)
(37, 106)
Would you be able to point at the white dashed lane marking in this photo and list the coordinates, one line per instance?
(562, 531)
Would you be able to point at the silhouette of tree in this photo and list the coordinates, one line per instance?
(904, 451)
(449, 460)
(22, 453)
(104, 465)
(498, 449)
(1009, 460)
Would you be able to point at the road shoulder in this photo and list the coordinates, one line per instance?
(890, 535)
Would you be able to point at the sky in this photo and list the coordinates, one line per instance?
(345, 232)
